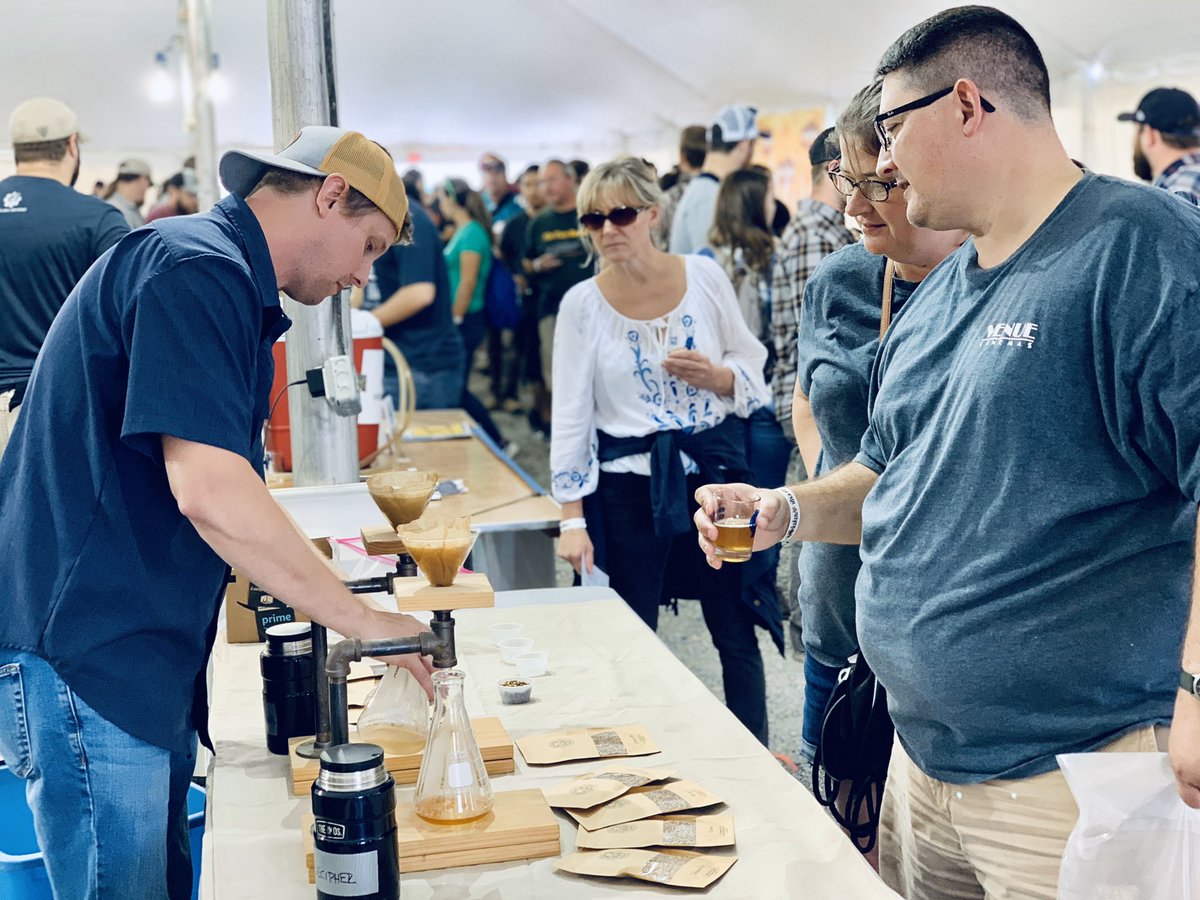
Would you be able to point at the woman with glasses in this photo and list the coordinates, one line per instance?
(652, 365)
(848, 304)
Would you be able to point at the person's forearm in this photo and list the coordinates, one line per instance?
(405, 303)
(462, 299)
(831, 506)
(725, 381)
(808, 439)
(234, 513)
(572, 509)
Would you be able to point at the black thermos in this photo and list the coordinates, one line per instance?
(289, 685)
(356, 853)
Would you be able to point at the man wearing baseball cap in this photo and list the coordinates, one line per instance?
(49, 235)
(134, 480)
(128, 192)
(1166, 146)
(731, 138)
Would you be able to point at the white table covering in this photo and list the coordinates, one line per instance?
(606, 668)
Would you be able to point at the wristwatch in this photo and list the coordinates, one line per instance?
(1190, 683)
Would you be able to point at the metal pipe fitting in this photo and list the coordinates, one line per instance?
(443, 626)
(337, 669)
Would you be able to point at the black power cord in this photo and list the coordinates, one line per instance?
(283, 390)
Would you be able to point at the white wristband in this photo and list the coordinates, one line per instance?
(578, 524)
(793, 511)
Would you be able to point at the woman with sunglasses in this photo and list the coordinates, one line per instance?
(468, 256)
(652, 365)
(848, 304)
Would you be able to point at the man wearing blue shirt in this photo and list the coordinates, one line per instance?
(1026, 489)
(134, 479)
(49, 235)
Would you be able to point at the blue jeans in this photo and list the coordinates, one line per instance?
(819, 682)
(110, 810)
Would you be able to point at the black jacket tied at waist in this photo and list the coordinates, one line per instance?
(719, 452)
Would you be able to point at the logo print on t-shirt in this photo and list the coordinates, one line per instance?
(12, 199)
(1011, 334)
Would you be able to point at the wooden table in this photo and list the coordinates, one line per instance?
(606, 668)
(516, 516)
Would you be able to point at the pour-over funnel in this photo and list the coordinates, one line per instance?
(439, 546)
(402, 496)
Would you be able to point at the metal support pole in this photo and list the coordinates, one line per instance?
(323, 739)
(198, 60)
(300, 47)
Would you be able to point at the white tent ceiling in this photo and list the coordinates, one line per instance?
(448, 78)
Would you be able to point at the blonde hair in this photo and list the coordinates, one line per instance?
(626, 181)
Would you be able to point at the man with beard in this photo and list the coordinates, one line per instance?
(1166, 146)
(180, 197)
(49, 235)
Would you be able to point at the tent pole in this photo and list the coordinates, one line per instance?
(300, 47)
(198, 60)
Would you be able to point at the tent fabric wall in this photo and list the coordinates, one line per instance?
(536, 78)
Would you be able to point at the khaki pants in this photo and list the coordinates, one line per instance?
(8, 420)
(990, 841)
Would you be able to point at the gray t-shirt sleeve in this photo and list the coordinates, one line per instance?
(1165, 423)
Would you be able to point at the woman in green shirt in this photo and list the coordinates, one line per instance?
(468, 256)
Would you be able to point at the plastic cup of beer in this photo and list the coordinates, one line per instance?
(735, 539)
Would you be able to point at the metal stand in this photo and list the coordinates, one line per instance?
(320, 645)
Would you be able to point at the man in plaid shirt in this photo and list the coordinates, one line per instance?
(1166, 147)
(817, 229)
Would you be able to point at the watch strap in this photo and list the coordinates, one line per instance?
(1190, 683)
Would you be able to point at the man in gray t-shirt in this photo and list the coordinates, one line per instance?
(1026, 492)
(731, 140)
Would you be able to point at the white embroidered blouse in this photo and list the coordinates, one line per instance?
(608, 374)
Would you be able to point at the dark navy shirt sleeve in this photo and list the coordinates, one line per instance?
(192, 341)
(112, 228)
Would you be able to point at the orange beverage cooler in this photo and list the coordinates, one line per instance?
(368, 361)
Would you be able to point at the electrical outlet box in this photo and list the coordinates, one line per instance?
(341, 386)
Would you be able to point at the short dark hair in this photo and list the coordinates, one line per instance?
(717, 142)
(285, 181)
(1180, 141)
(580, 167)
(979, 43)
(693, 145)
(413, 182)
(567, 168)
(531, 170)
(41, 151)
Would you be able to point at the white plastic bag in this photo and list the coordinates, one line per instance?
(1135, 838)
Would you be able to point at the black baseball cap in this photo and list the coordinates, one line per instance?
(1169, 110)
(824, 148)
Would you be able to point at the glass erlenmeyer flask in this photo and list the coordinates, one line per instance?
(453, 785)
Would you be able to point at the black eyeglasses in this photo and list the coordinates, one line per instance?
(621, 216)
(875, 191)
(885, 139)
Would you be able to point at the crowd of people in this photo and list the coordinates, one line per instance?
(971, 347)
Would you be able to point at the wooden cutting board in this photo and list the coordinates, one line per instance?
(495, 746)
(520, 826)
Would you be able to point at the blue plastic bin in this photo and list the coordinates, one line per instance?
(22, 871)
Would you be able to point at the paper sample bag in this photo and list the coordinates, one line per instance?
(661, 831)
(677, 868)
(644, 802)
(607, 783)
(586, 743)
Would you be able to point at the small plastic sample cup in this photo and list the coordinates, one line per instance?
(510, 647)
(531, 665)
(734, 517)
(514, 690)
(503, 630)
